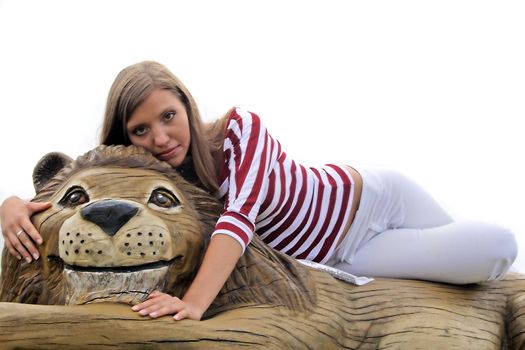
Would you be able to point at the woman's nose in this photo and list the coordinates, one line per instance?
(160, 138)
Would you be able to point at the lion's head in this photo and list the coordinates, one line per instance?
(123, 224)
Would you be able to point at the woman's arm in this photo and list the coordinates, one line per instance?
(220, 259)
(250, 154)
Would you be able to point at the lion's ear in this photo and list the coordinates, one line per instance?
(47, 167)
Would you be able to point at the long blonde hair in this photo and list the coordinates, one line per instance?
(132, 86)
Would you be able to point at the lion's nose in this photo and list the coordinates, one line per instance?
(109, 215)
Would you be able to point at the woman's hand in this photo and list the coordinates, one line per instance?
(220, 259)
(19, 233)
(160, 304)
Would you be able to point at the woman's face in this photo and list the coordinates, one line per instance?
(160, 124)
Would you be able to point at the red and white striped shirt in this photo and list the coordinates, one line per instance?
(297, 210)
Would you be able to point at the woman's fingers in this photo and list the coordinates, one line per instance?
(164, 309)
(159, 304)
(33, 208)
(19, 233)
(155, 293)
(23, 245)
(148, 302)
(12, 249)
(29, 236)
(23, 240)
(181, 315)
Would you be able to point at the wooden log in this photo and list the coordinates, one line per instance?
(385, 314)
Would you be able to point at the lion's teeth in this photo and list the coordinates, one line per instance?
(129, 287)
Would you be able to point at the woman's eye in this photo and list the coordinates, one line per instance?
(139, 131)
(169, 116)
(163, 198)
(74, 197)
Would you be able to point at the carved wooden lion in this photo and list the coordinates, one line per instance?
(123, 223)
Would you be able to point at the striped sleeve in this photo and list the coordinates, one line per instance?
(251, 153)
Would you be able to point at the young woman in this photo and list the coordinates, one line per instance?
(366, 222)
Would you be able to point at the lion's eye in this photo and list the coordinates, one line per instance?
(163, 198)
(74, 196)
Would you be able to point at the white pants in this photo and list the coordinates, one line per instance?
(400, 231)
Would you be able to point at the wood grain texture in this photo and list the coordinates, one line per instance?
(385, 314)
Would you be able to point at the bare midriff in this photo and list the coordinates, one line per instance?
(358, 188)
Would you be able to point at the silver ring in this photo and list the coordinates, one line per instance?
(19, 232)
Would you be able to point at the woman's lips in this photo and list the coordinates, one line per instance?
(167, 154)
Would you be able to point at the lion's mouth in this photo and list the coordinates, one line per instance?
(124, 269)
(127, 284)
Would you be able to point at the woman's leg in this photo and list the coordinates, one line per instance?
(412, 236)
(420, 209)
(389, 200)
(458, 253)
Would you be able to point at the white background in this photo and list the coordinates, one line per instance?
(434, 89)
